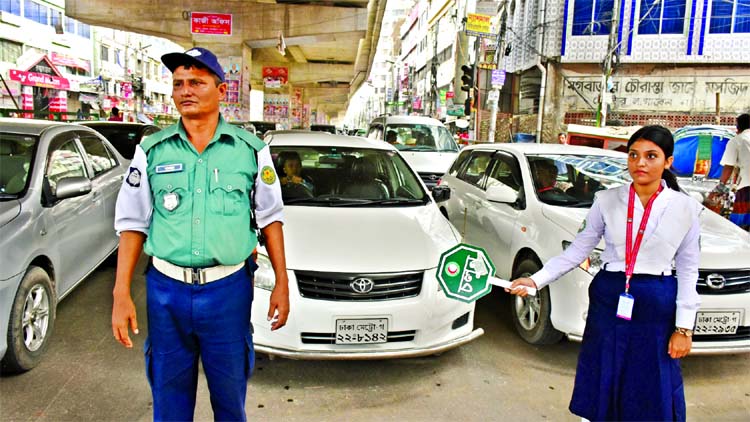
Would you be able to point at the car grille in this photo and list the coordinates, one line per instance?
(430, 179)
(338, 286)
(743, 333)
(330, 338)
(735, 281)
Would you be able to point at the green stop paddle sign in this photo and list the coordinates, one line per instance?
(466, 273)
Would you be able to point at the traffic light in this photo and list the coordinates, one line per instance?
(467, 78)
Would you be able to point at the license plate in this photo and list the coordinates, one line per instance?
(361, 331)
(717, 323)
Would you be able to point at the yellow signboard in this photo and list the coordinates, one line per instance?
(478, 25)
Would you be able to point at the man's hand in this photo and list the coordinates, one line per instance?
(517, 287)
(278, 309)
(123, 317)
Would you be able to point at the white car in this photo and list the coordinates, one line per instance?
(494, 204)
(424, 142)
(363, 239)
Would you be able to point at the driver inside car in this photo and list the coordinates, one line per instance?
(291, 167)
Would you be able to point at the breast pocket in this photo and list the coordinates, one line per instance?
(229, 195)
(171, 192)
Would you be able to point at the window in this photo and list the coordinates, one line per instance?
(662, 17)
(506, 171)
(10, 51)
(104, 55)
(84, 30)
(456, 166)
(55, 18)
(70, 25)
(592, 17)
(475, 169)
(730, 16)
(101, 159)
(35, 12)
(11, 6)
(64, 161)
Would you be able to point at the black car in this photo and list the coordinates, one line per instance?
(123, 135)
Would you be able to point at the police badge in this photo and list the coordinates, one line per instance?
(171, 201)
(134, 177)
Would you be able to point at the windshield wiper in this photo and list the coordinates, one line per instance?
(332, 201)
(417, 148)
(8, 196)
(394, 201)
(583, 204)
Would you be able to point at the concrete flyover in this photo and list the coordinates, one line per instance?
(328, 46)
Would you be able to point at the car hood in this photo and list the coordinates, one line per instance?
(8, 211)
(723, 244)
(429, 162)
(359, 240)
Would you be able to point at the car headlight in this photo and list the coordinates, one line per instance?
(264, 277)
(592, 264)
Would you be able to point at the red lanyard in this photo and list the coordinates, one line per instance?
(631, 250)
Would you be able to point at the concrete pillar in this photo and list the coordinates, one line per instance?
(554, 106)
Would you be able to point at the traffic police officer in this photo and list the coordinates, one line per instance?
(186, 201)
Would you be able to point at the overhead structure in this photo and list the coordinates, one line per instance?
(327, 46)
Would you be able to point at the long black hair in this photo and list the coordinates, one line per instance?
(663, 138)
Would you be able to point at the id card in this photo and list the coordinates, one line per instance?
(625, 306)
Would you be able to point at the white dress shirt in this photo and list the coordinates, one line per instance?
(737, 154)
(671, 239)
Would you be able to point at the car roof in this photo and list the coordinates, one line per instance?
(28, 126)
(93, 123)
(419, 120)
(309, 138)
(533, 148)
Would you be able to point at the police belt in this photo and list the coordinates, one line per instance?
(195, 275)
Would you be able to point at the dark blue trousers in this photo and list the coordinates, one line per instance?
(187, 322)
(624, 372)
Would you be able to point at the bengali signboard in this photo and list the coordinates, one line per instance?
(479, 25)
(275, 77)
(211, 23)
(654, 93)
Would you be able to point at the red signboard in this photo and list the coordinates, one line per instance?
(39, 79)
(211, 23)
(65, 60)
(275, 77)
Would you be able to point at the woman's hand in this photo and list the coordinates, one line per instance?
(517, 287)
(679, 345)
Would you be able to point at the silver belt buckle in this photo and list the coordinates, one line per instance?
(194, 276)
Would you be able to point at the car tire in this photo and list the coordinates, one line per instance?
(531, 314)
(31, 322)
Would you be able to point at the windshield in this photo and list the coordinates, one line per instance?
(335, 176)
(572, 180)
(417, 137)
(15, 163)
(124, 138)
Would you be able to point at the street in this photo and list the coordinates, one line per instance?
(85, 376)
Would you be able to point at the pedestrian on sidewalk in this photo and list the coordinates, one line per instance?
(737, 157)
(187, 202)
(640, 317)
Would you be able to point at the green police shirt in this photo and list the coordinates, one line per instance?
(195, 208)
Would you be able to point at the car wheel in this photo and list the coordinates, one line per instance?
(31, 322)
(531, 314)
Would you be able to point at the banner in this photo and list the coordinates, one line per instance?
(479, 26)
(211, 23)
(38, 79)
(275, 77)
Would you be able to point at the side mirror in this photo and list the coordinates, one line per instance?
(501, 193)
(441, 193)
(71, 187)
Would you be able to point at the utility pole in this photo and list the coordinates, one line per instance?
(611, 50)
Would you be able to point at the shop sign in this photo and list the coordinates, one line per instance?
(479, 26)
(65, 60)
(275, 77)
(39, 79)
(211, 23)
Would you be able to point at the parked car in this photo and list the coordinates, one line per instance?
(362, 246)
(246, 125)
(262, 127)
(323, 128)
(494, 204)
(423, 141)
(124, 136)
(58, 187)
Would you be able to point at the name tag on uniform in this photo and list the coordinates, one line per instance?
(169, 168)
(625, 306)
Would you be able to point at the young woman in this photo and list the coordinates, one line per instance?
(640, 316)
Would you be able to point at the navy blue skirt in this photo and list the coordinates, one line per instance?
(624, 370)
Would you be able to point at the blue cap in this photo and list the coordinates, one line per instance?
(195, 55)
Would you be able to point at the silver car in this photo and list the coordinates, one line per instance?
(58, 187)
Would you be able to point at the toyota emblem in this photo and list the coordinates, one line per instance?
(362, 285)
(715, 281)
